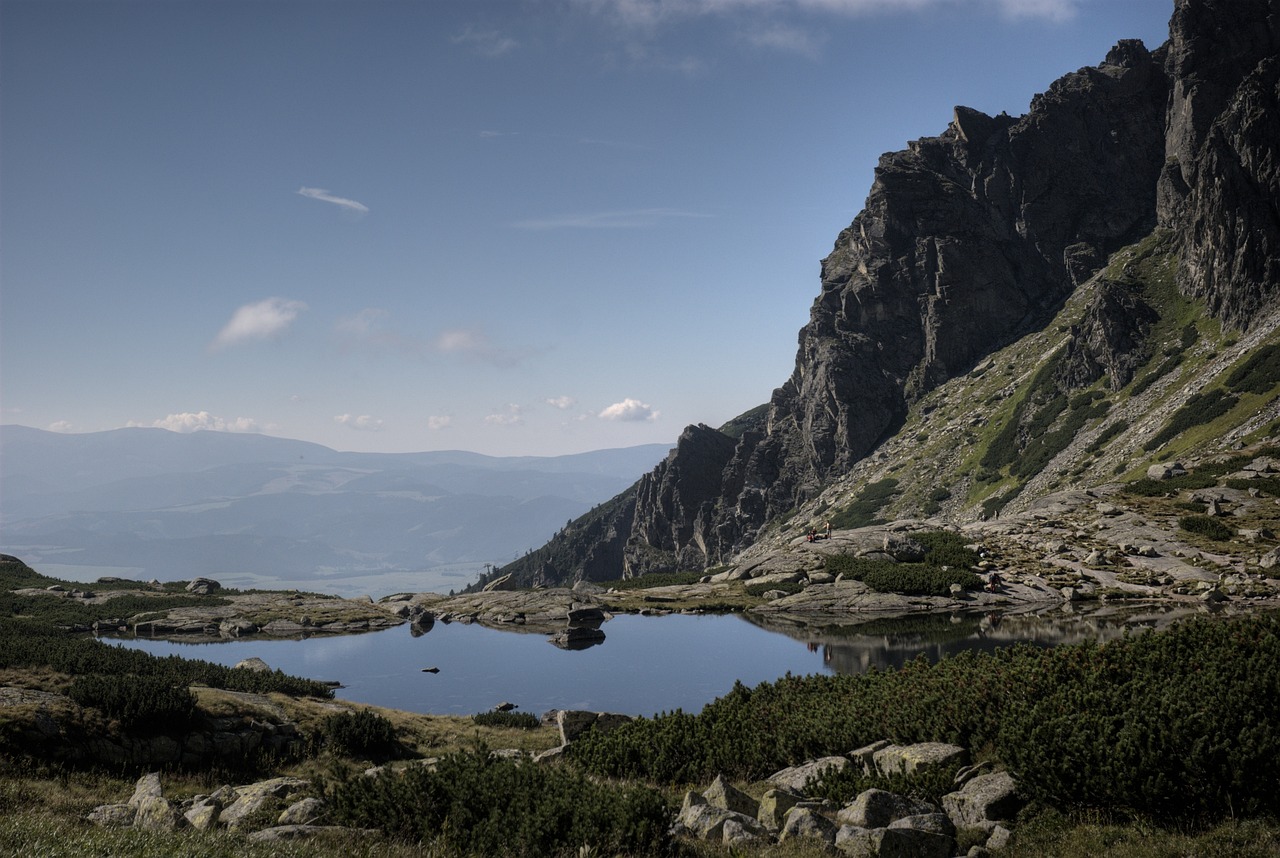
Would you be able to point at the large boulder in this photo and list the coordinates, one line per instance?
(908, 759)
(796, 778)
(804, 823)
(774, 806)
(876, 808)
(892, 843)
(572, 723)
(723, 794)
(983, 801)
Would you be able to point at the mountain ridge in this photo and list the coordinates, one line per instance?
(1145, 189)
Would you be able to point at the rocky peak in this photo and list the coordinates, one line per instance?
(975, 238)
(1220, 188)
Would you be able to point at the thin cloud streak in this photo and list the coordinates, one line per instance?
(489, 43)
(325, 197)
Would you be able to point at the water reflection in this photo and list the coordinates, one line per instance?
(892, 642)
(646, 665)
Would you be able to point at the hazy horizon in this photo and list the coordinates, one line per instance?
(505, 227)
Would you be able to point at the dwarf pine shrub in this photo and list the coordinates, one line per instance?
(361, 733)
(1176, 725)
(474, 804)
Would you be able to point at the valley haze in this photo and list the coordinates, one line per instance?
(254, 511)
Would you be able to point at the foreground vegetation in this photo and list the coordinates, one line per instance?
(1175, 726)
(1163, 743)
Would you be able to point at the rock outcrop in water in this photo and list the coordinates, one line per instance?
(969, 241)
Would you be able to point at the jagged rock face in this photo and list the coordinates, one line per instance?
(975, 237)
(967, 240)
(1221, 184)
(1111, 339)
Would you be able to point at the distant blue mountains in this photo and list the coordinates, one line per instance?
(258, 511)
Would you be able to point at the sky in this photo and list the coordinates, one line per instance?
(517, 227)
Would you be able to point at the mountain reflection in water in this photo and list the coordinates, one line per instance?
(645, 665)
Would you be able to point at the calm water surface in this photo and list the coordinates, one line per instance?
(646, 665)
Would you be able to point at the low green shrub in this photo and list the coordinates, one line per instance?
(509, 720)
(475, 804)
(1146, 487)
(842, 786)
(1259, 373)
(1105, 436)
(1200, 409)
(1175, 725)
(146, 704)
(1166, 366)
(362, 733)
(1206, 526)
(862, 510)
(31, 644)
(654, 579)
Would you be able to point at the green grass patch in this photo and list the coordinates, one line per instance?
(1201, 409)
(869, 501)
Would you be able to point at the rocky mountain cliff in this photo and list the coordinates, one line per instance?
(1064, 262)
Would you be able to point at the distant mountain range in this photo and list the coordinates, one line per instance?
(258, 511)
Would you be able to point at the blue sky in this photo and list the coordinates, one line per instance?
(519, 228)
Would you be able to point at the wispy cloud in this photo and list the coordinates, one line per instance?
(489, 43)
(629, 410)
(627, 219)
(261, 320)
(475, 345)
(512, 416)
(439, 421)
(196, 421)
(369, 330)
(362, 422)
(562, 402)
(325, 197)
(784, 38)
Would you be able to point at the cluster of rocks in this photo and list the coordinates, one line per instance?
(284, 802)
(877, 822)
(570, 618)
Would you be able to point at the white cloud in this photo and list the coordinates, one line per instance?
(475, 345)
(781, 37)
(513, 416)
(629, 410)
(258, 321)
(363, 422)
(196, 421)
(61, 426)
(325, 197)
(439, 421)
(562, 402)
(627, 219)
(490, 43)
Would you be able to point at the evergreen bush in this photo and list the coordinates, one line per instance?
(140, 703)
(1205, 526)
(475, 804)
(362, 734)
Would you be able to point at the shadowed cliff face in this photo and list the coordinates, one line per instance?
(974, 238)
(1220, 189)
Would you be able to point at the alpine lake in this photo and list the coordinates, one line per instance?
(645, 665)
